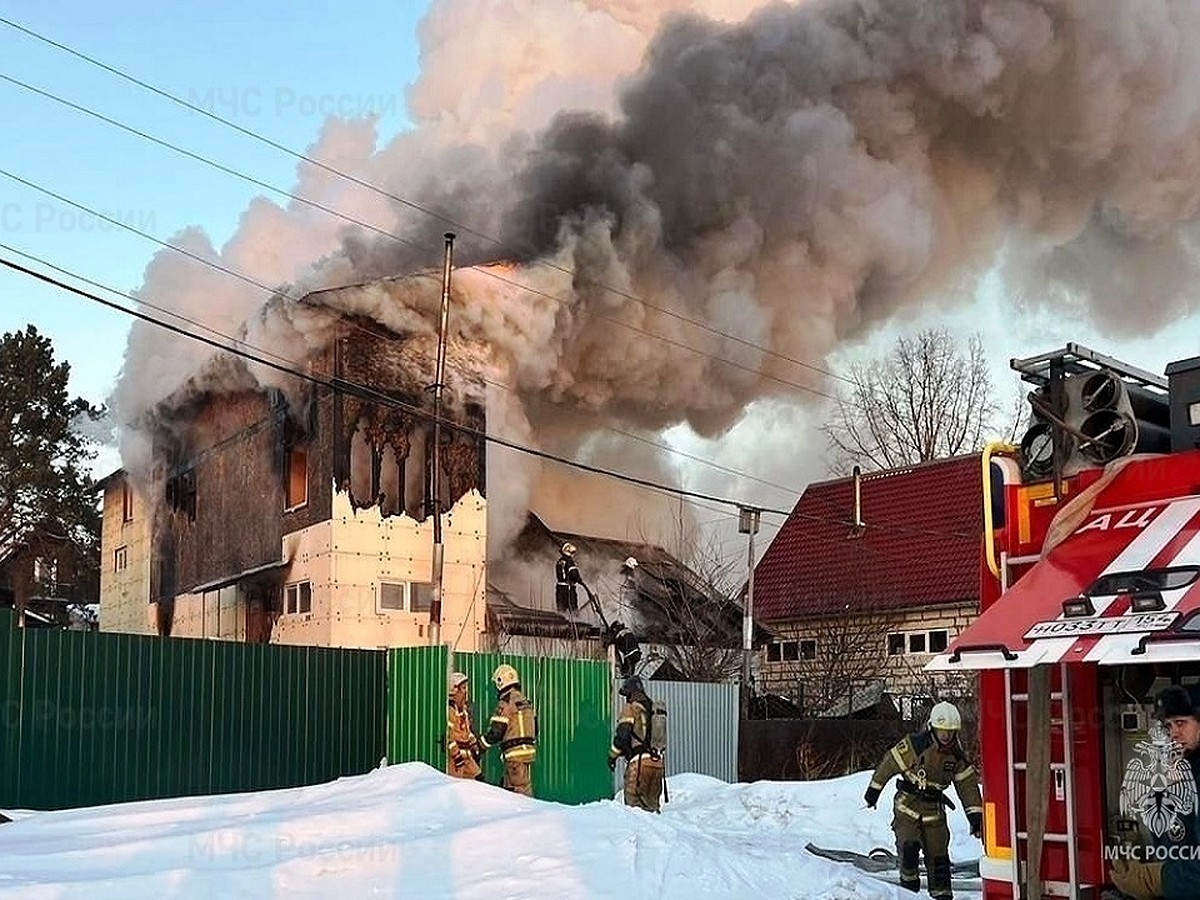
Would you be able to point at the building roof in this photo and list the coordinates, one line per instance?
(920, 546)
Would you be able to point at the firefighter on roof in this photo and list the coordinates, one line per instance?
(1177, 877)
(642, 746)
(513, 727)
(927, 763)
(566, 576)
(462, 747)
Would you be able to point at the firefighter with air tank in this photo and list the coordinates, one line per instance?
(928, 762)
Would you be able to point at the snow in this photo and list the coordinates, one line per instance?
(410, 831)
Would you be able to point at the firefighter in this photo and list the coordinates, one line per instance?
(513, 727)
(645, 767)
(462, 747)
(566, 576)
(1178, 876)
(927, 763)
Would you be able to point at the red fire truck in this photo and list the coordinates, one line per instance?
(1090, 605)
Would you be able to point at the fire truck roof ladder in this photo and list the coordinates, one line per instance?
(1033, 770)
(1077, 359)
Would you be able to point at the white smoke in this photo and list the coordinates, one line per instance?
(791, 175)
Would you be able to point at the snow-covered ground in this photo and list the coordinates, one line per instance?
(409, 831)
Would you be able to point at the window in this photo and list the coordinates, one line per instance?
(45, 573)
(808, 649)
(933, 641)
(391, 595)
(120, 559)
(296, 485)
(405, 596)
(126, 502)
(422, 596)
(181, 494)
(298, 598)
(774, 651)
(791, 651)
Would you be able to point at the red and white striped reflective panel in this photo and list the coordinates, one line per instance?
(1021, 628)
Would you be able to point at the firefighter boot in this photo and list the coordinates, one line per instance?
(939, 878)
(910, 860)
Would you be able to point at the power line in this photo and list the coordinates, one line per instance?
(340, 385)
(362, 392)
(575, 275)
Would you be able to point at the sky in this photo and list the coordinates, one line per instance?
(272, 67)
(280, 70)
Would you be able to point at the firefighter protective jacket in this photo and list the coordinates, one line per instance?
(461, 743)
(926, 769)
(512, 727)
(633, 728)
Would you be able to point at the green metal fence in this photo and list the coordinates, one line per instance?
(92, 718)
(573, 699)
(416, 705)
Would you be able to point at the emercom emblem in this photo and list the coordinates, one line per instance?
(1158, 786)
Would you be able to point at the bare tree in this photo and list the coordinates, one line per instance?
(692, 593)
(927, 398)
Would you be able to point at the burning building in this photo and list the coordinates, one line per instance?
(302, 512)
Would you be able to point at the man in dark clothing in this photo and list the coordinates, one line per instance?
(927, 763)
(1177, 878)
(645, 767)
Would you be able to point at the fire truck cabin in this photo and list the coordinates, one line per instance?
(1090, 605)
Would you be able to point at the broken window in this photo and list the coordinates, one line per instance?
(45, 573)
(297, 477)
(126, 502)
(181, 493)
(297, 598)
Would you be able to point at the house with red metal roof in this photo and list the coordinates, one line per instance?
(860, 595)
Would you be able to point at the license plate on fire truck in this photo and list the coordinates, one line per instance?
(1155, 621)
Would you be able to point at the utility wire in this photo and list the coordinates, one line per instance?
(575, 275)
(362, 392)
(339, 385)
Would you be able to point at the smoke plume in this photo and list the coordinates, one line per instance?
(785, 178)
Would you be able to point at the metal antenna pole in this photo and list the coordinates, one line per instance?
(439, 556)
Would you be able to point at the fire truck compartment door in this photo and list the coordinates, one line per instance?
(1027, 626)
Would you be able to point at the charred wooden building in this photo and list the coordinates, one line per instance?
(303, 513)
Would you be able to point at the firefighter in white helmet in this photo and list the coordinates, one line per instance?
(513, 727)
(927, 763)
(462, 746)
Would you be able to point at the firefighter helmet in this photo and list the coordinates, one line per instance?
(505, 676)
(631, 563)
(568, 549)
(945, 716)
(456, 679)
(633, 685)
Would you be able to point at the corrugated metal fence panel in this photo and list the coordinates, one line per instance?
(702, 726)
(416, 705)
(574, 707)
(103, 718)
